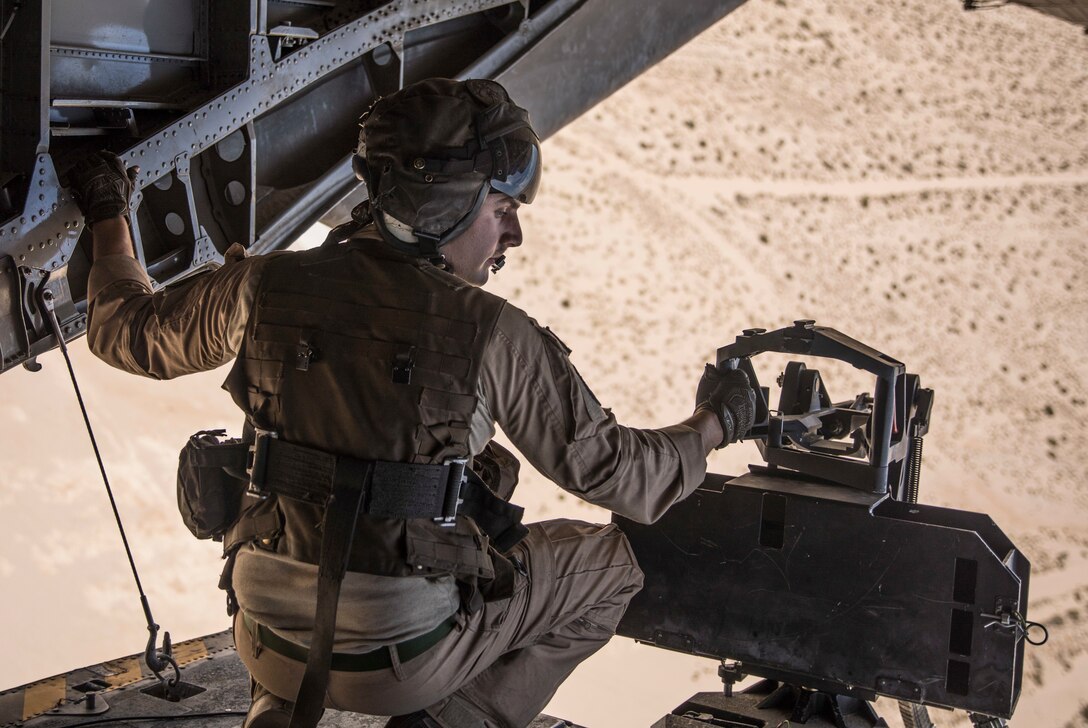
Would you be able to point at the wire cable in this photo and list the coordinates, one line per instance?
(11, 19)
(157, 662)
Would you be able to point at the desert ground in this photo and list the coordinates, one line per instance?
(909, 173)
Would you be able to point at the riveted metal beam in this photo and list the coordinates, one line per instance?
(241, 116)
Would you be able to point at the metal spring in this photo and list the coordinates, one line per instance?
(914, 469)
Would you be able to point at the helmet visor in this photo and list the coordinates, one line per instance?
(516, 165)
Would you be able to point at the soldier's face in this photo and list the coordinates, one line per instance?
(472, 253)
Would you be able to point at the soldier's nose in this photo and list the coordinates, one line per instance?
(514, 235)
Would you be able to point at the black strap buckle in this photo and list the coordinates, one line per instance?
(450, 504)
(257, 464)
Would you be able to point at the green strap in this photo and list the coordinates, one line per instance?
(378, 659)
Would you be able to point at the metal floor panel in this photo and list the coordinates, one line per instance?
(210, 663)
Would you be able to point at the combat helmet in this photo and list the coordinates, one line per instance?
(431, 152)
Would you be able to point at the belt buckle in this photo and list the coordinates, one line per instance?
(257, 464)
(452, 499)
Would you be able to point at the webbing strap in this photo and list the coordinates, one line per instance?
(392, 490)
(407, 490)
(500, 520)
(341, 513)
(294, 471)
(220, 455)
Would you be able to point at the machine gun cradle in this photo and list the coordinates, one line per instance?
(818, 572)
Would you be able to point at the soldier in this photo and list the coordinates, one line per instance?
(377, 365)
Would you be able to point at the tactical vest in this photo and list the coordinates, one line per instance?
(359, 350)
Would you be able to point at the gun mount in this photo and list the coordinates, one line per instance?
(808, 432)
(820, 572)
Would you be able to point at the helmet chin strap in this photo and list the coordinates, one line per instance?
(498, 264)
(428, 247)
(360, 218)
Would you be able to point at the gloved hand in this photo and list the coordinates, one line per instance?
(728, 394)
(102, 186)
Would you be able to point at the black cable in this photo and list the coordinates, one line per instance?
(94, 443)
(1028, 626)
(182, 716)
(157, 662)
(11, 19)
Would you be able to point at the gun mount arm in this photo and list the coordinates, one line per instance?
(804, 433)
(804, 337)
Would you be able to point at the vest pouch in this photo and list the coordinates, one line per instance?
(211, 484)
(461, 551)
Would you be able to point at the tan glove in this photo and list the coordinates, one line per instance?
(102, 186)
(729, 395)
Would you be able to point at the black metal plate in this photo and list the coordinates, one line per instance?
(831, 589)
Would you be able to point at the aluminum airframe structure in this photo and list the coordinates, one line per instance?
(242, 115)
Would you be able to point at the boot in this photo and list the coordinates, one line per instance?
(267, 710)
(418, 719)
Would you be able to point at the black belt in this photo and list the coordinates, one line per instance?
(390, 489)
(379, 659)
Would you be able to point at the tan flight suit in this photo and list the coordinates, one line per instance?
(349, 312)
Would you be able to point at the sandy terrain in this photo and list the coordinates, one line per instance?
(911, 174)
